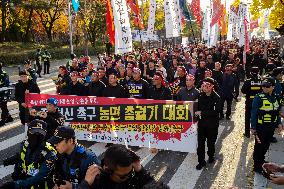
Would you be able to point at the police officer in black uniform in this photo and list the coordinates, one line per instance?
(251, 87)
(74, 159)
(31, 72)
(36, 160)
(4, 82)
(208, 108)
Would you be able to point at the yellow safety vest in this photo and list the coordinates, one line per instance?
(30, 170)
(268, 112)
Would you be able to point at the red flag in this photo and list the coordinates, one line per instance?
(133, 5)
(109, 23)
(253, 24)
(218, 10)
(246, 35)
(196, 10)
(234, 9)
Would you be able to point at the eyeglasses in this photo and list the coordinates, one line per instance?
(131, 174)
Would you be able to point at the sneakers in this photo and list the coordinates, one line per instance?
(200, 165)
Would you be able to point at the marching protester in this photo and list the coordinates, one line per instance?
(35, 162)
(62, 81)
(114, 89)
(209, 106)
(75, 87)
(74, 159)
(96, 87)
(24, 86)
(4, 82)
(30, 71)
(159, 91)
(138, 87)
(188, 93)
(52, 117)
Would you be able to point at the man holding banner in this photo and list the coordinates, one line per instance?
(208, 121)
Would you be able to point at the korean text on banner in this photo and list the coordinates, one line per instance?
(151, 20)
(123, 38)
(149, 123)
(172, 18)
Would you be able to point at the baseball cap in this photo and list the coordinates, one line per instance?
(52, 101)
(268, 82)
(62, 133)
(37, 126)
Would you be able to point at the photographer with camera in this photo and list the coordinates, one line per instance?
(36, 160)
(52, 117)
(73, 159)
(121, 169)
(4, 82)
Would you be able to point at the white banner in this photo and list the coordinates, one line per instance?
(214, 35)
(266, 25)
(123, 38)
(243, 14)
(172, 18)
(206, 26)
(152, 16)
(138, 35)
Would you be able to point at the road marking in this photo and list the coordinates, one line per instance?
(12, 141)
(5, 171)
(10, 126)
(145, 155)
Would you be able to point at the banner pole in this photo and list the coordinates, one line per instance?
(70, 27)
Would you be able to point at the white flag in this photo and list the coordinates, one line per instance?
(172, 18)
(123, 37)
(151, 20)
(266, 25)
(214, 35)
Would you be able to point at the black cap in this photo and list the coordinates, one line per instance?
(209, 80)
(254, 70)
(268, 81)
(37, 126)
(23, 72)
(61, 133)
(277, 71)
(269, 67)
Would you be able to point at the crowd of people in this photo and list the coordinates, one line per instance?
(211, 76)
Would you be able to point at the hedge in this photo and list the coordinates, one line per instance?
(56, 53)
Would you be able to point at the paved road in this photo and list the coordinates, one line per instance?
(177, 169)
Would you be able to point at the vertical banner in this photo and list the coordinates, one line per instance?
(196, 10)
(152, 16)
(214, 35)
(246, 49)
(135, 13)
(123, 37)
(172, 18)
(253, 24)
(218, 10)
(109, 23)
(266, 25)
(205, 28)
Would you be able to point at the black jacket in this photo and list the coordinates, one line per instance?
(53, 121)
(21, 88)
(210, 107)
(114, 91)
(63, 82)
(188, 95)
(250, 88)
(96, 88)
(77, 89)
(162, 93)
(103, 181)
(138, 89)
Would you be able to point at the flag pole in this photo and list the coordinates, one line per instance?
(70, 27)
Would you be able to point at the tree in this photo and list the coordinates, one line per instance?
(277, 11)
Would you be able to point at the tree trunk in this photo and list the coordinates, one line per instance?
(3, 6)
(28, 29)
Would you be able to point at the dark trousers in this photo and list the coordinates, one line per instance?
(237, 89)
(39, 68)
(264, 133)
(23, 113)
(4, 111)
(206, 133)
(247, 119)
(229, 106)
(46, 66)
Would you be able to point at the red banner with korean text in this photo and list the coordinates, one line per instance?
(218, 10)
(157, 124)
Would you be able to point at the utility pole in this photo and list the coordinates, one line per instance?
(70, 26)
